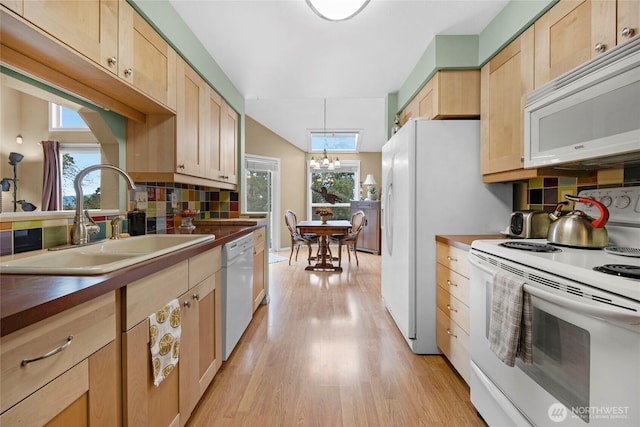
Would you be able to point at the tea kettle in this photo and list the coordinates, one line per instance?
(576, 228)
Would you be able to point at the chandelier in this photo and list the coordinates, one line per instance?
(326, 161)
(337, 10)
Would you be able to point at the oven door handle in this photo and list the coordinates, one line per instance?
(613, 314)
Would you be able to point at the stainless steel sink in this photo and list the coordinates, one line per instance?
(99, 258)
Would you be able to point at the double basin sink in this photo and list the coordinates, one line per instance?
(100, 257)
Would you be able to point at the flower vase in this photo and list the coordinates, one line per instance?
(324, 218)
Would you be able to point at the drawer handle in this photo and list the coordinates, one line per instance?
(196, 297)
(451, 309)
(187, 304)
(452, 259)
(450, 283)
(56, 350)
(450, 334)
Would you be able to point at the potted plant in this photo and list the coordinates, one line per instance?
(324, 214)
(372, 193)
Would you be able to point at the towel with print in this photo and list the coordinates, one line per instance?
(164, 340)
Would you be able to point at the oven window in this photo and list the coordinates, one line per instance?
(561, 360)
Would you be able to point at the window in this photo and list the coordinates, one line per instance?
(63, 118)
(76, 157)
(340, 183)
(343, 141)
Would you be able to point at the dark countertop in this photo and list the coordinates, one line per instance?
(27, 299)
(463, 241)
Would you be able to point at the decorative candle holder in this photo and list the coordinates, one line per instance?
(187, 219)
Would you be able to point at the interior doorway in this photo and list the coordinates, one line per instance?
(262, 192)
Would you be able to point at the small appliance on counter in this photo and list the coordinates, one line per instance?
(529, 224)
(137, 222)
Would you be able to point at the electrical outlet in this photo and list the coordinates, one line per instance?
(174, 200)
(141, 200)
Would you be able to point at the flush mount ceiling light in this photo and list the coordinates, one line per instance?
(337, 10)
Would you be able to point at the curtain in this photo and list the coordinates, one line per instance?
(51, 179)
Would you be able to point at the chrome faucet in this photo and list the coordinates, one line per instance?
(81, 232)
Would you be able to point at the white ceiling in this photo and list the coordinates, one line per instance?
(285, 60)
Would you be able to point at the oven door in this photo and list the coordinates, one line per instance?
(586, 346)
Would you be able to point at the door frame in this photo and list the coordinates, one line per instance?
(273, 220)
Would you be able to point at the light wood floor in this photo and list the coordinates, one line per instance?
(324, 352)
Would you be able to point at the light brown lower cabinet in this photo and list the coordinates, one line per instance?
(196, 285)
(76, 386)
(452, 329)
(259, 261)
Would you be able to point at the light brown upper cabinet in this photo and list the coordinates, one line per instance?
(571, 33)
(89, 27)
(101, 50)
(190, 122)
(449, 94)
(146, 59)
(196, 146)
(228, 145)
(628, 20)
(505, 81)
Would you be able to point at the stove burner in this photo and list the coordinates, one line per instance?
(630, 271)
(530, 246)
(617, 250)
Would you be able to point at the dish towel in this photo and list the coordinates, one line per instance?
(164, 340)
(510, 327)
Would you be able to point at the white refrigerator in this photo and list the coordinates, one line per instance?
(431, 184)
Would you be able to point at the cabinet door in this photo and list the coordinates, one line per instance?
(143, 403)
(258, 274)
(505, 81)
(571, 33)
(201, 342)
(229, 144)
(628, 20)
(85, 395)
(189, 122)
(146, 59)
(212, 130)
(88, 26)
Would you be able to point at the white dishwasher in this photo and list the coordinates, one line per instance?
(237, 291)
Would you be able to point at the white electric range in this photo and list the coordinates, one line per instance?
(586, 326)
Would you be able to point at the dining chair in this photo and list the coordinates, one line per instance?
(298, 239)
(350, 239)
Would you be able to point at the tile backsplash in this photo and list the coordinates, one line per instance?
(18, 236)
(545, 193)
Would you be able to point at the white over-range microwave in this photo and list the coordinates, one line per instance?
(588, 117)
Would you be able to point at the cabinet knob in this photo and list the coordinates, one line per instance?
(196, 297)
(187, 303)
(112, 61)
(181, 166)
(451, 334)
(451, 309)
(600, 47)
(627, 32)
(128, 72)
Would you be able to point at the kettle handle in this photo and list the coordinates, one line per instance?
(604, 212)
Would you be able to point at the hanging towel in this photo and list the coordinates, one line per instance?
(510, 324)
(164, 340)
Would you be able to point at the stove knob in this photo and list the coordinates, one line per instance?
(606, 200)
(622, 202)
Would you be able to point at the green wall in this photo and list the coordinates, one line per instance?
(469, 51)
